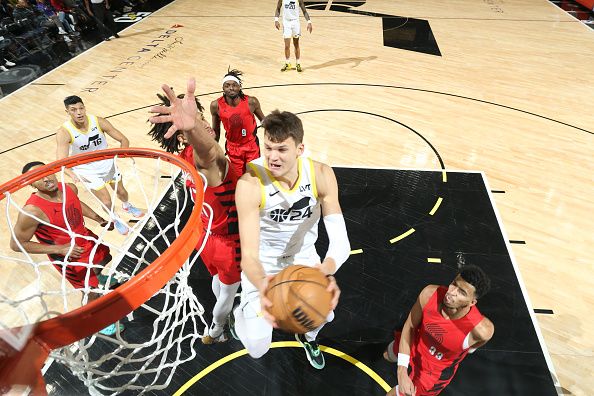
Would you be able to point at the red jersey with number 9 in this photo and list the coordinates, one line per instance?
(239, 122)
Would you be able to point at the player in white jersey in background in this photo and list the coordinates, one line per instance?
(84, 133)
(279, 203)
(291, 28)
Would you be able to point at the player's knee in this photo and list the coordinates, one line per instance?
(257, 347)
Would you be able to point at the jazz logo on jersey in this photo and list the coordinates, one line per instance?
(94, 140)
(298, 211)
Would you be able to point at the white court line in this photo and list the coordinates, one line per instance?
(545, 351)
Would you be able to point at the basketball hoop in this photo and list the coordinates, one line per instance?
(21, 364)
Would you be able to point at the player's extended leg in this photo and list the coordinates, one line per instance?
(287, 65)
(122, 195)
(254, 332)
(312, 350)
(297, 54)
(225, 294)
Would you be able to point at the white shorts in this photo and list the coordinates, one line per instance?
(291, 28)
(95, 178)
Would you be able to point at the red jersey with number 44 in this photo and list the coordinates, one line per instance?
(440, 344)
(239, 122)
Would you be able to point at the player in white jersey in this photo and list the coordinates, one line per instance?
(291, 28)
(279, 203)
(84, 133)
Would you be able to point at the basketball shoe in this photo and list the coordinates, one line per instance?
(112, 329)
(121, 227)
(215, 334)
(298, 67)
(286, 67)
(312, 352)
(133, 210)
(231, 323)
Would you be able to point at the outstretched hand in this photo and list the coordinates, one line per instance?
(181, 112)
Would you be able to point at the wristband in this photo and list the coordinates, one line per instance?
(403, 360)
(309, 21)
(275, 19)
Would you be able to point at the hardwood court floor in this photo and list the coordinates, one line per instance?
(509, 95)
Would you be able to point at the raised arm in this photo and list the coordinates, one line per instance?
(184, 116)
(255, 107)
(113, 132)
(216, 120)
(24, 230)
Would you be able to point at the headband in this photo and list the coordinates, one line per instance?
(231, 78)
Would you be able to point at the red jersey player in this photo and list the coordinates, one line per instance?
(236, 111)
(443, 326)
(221, 254)
(58, 205)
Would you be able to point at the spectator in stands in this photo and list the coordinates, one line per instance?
(46, 9)
(99, 9)
(65, 13)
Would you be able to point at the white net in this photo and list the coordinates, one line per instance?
(146, 347)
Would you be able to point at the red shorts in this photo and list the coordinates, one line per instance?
(76, 274)
(222, 256)
(240, 155)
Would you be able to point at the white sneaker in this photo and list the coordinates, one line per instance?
(3, 68)
(67, 39)
(9, 63)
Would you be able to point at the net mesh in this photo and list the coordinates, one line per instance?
(160, 334)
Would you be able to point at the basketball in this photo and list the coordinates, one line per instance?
(300, 301)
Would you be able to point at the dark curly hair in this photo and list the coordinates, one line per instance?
(477, 278)
(237, 74)
(158, 131)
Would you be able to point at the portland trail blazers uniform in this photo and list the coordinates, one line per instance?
(439, 346)
(240, 132)
(94, 174)
(59, 214)
(289, 224)
(222, 252)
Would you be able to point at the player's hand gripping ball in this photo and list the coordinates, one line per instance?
(300, 301)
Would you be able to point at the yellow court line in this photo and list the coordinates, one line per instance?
(402, 236)
(433, 260)
(357, 251)
(285, 344)
(444, 176)
(436, 206)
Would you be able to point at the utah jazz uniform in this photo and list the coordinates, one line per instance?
(291, 25)
(95, 175)
(288, 218)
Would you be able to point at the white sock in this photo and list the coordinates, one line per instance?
(126, 205)
(297, 61)
(288, 61)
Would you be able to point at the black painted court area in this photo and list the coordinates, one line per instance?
(379, 285)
